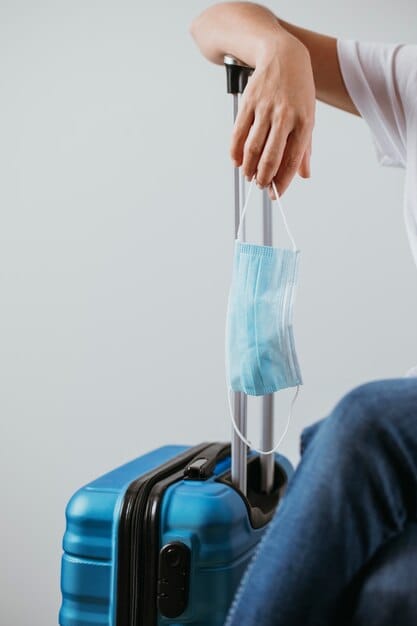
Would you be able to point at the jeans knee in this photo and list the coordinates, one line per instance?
(370, 423)
(358, 422)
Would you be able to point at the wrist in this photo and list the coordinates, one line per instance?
(276, 46)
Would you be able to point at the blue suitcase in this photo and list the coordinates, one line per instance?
(164, 539)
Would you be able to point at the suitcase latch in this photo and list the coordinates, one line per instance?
(174, 579)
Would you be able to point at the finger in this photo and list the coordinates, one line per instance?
(254, 145)
(272, 154)
(294, 150)
(304, 169)
(271, 192)
(242, 126)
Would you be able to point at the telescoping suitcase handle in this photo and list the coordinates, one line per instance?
(237, 74)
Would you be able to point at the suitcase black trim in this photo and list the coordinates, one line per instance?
(138, 541)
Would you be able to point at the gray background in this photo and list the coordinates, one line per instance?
(115, 255)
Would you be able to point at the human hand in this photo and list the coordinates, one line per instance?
(272, 135)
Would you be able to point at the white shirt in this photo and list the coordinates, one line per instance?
(382, 81)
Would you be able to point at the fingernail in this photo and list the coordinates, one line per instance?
(235, 163)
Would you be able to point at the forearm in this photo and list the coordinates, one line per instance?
(293, 66)
(272, 132)
(247, 31)
(253, 34)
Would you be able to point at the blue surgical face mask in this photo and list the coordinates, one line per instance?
(260, 350)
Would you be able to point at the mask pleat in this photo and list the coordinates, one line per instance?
(260, 344)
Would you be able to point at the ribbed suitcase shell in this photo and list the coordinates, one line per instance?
(209, 517)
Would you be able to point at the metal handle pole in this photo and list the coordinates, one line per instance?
(267, 438)
(239, 449)
(237, 77)
(267, 461)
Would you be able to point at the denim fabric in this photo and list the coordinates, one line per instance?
(385, 593)
(353, 496)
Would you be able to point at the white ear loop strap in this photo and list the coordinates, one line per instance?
(242, 215)
(281, 208)
(284, 219)
(249, 443)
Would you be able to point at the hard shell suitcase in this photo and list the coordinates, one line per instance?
(164, 539)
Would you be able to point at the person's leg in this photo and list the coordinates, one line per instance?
(390, 576)
(355, 487)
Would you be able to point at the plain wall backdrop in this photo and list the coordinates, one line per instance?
(116, 229)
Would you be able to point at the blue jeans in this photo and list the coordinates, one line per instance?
(354, 491)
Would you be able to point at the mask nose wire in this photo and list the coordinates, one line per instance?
(277, 199)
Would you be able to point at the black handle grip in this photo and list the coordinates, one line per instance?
(237, 74)
(202, 466)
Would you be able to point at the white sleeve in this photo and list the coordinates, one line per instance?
(382, 82)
